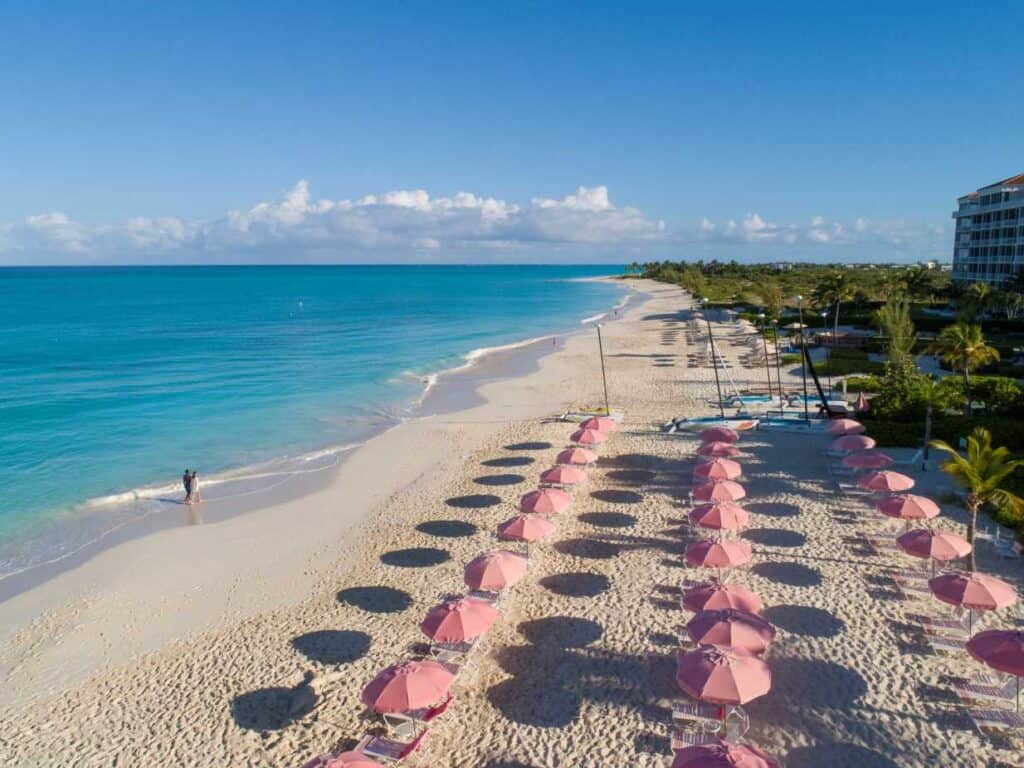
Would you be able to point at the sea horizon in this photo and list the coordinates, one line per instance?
(110, 385)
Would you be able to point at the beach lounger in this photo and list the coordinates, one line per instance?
(911, 586)
(943, 644)
(996, 719)
(683, 737)
(942, 625)
(451, 652)
(709, 715)
(389, 750)
(975, 693)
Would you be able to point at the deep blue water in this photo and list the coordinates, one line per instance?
(112, 379)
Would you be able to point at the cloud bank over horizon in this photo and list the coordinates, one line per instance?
(411, 226)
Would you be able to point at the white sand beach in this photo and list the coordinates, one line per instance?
(195, 646)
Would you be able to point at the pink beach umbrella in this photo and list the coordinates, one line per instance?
(718, 449)
(845, 427)
(862, 405)
(973, 591)
(850, 443)
(459, 620)
(600, 423)
(577, 456)
(713, 597)
(732, 627)
(407, 686)
(722, 516)
(719, 435)
(1001, 649)
(726, 490)
(722, 754)
(350, 759)
(868, 460)
(907, 506)
(718, 469)
(563, 474)
(886, 482)
(495, 571)
(526, 528)
(721, 675)
(718, 554)
(588, 437)
(545, 501)
(937, 546)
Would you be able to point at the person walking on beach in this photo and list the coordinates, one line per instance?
(186, 480)
(195, 495)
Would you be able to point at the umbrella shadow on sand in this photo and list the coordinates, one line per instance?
(333, 646)
(376, 599)
(271, 709)
(416, 557)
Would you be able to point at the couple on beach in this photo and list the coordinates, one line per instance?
(191, 482)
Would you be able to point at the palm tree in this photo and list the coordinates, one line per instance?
(976, 300)
(894, 321)
(963, 347)
(981, 472)
(834, 289)
(917, 282)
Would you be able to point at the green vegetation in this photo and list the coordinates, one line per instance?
(982, 472)
(965, 349)
(897, 328)
(845, 361)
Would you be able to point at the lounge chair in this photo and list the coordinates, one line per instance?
(943, 644)
(389, 750)
(710, 717)
(910, 585)
(996, 719)
(683, 737)
(975, 693)
(934, 625)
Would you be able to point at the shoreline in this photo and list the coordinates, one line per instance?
(446, 390)
(81, 582)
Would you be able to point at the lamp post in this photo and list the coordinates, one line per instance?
(714, 357)
(828, 352)
(764, 341)
(604, 377)
(803, 353)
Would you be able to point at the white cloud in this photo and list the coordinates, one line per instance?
(401, 224)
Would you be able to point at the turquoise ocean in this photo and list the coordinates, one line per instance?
(113, 380)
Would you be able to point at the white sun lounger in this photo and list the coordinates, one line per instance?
(991, 694)
(942, 644)
(996, 719)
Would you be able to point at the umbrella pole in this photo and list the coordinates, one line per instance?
(604, 378)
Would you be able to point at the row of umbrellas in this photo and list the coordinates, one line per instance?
(726, 669)
(1002, 650)
(413, 687)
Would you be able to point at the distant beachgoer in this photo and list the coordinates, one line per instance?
(186, 480)
(196, 495)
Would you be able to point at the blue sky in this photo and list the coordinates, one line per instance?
(820, 130)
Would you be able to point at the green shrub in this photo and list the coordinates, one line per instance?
(864, 384)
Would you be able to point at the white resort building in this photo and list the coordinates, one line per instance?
(989, 241)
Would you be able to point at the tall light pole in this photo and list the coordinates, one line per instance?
(778, 362)
(764, 341)
(604, 378)
(714, 357)
(803, 353)
(828, 352)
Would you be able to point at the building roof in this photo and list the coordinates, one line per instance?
(1013, 181)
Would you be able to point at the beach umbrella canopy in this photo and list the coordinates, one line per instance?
(563, 474)
(589, 436)
(845, 427)
(907, 506)
(868, 460)
(1001, 649)
(974, 591)
(349, 759)
(718, 448)
(407, 686)
(718, 554)
(600, 423)
(578, 456)
(711, 597)
(495, 571)
(458, 620)
(718, 469)
(941, 546)
(850, 443)
(886, 482)
(546, 501)
(526, 528)
(722, 675)
(732, 627)
(722, 516)
(726, 490)
(722, 754)
(719, 435)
